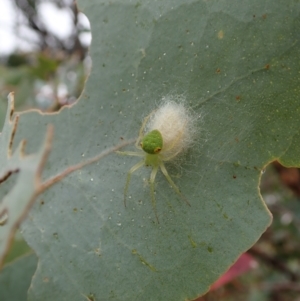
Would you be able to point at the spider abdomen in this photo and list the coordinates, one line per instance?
(152, 143)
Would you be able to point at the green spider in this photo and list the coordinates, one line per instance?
(164, 134)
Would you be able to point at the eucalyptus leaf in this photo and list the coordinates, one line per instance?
(15, 278)
(237, 65)
(19, 177)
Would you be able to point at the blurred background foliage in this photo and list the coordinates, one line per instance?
(46, 69)
(49, 72)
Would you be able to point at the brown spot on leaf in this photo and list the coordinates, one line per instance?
(221, 34)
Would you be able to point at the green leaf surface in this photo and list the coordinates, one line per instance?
(237, 65)
(19, 178)
(18, 248)
(15, 278)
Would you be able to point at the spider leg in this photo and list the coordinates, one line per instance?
(152, 189)
(166, 174)
(131, 171)
(136, 154)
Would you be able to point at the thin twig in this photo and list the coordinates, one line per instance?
(48, 183)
